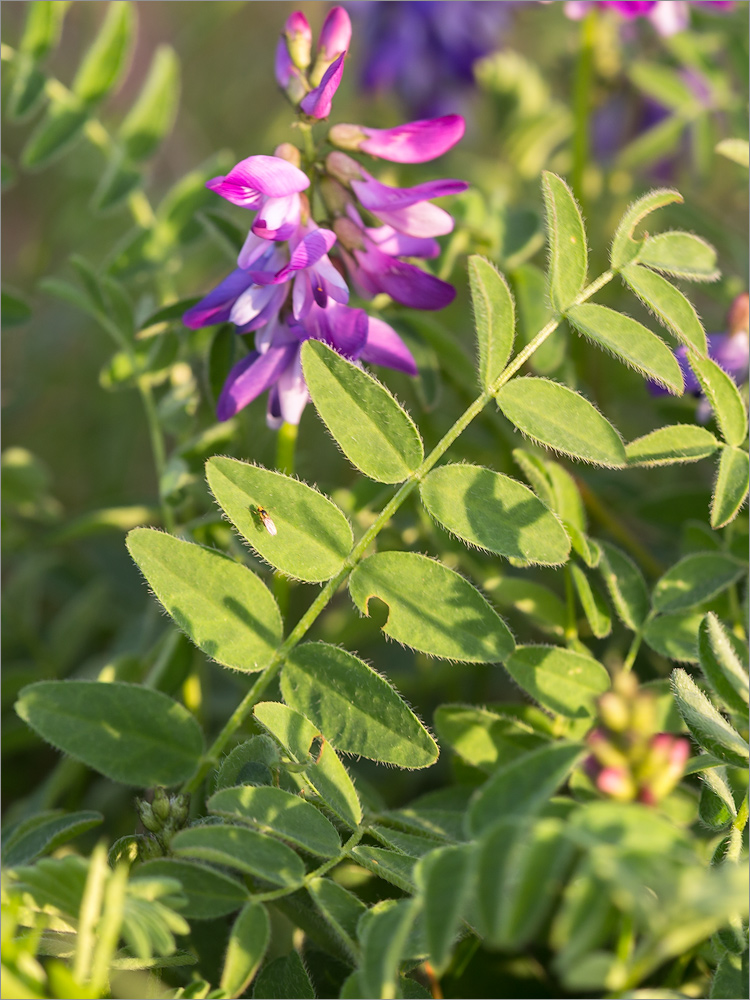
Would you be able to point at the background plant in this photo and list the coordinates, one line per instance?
(595, 895)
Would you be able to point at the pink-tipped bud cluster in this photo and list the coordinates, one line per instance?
(311, 88)
(629, 761)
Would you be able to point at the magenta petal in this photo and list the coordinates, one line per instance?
(250, 377)
(308, 251)
(385, 347)
(217, 305)
(335, 34)
(421, 221)
(376, 196)
(317, 103)
(259, 175)
(406, 283)
(414, 142)
(397, 244)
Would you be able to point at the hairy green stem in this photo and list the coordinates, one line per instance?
(582, 105)
(571, 624)
(270, 672)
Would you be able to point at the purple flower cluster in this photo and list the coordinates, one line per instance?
(667, 16)
(286, 250)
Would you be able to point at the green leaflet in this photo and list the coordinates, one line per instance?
(242, 849)
(355, 708)
(445, 878)
(107, 58)
(736, 150)
(724, 397)
(523, 786)
(716, 807)
(533, 600)
(624, 247)
(630, 342)
(15, 309)
(626, 586)
(393, 866)
(327, 775)
(131, 734)
(383, 937)
(680, 254)
(664, 85)
(494, 512)
(529, 286)
(672, 445)
(44, 833)
(675, 635)
(559, 679)
(708, 726)
(285, 978)
(61, 126)
(151, 118)
(515, 894)
(494, 317)
(730, 490)
(274, 811)
(222, 606)
(340, 908)
(557, 417)
(567, 242)
(695, 579)
(376, 435)
(672, 309)
(248, 940)
(210, 893)
(724, 662)
(42, 28)
(431, 607)
(593, 604)
(483, 738)
(313, 537)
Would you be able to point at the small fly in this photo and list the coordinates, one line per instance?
(265, 519)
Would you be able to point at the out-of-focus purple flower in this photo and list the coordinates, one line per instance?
(414, 142)
(667, 16)
(268, 185)
(426, 50)
(731, 351)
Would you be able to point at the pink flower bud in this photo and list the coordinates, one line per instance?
(343, 168)
(298, 36)
(739, 314)
(617, 784)
(335, 35)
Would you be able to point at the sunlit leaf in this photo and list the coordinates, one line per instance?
(683, 255)
(107, 58)
(356, 709)
(248, 940)
(567, 242)
(724, 397)
(210, 893)
(561, 680)
(724, 662)
(494, 512)
(242, 849)
(708, 726)
(494, 317)
(431, 608)
(626, 586)
(731, 487)
(131, 734)
(672, 445)
(223, 607)
(694, 579)
(670, 306)
(624, 246)
(559, 418)
(376, 435)
(151, 117)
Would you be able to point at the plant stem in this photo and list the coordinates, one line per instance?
(582, 105)
(269, 673)
(571, 625)
(635, 645)
(158, 448)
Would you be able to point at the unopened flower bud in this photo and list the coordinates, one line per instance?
(349, 234)
(298, 36)
(180, 809)
(289, 152)
(343, 168)
(617, 784)
(160, 805)
(605, 751)
(335, 196)
(335, 36)
(346, 136)
(149, 847)
(739, 314)
(614, 712)
(146, 815)
(665, 765)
